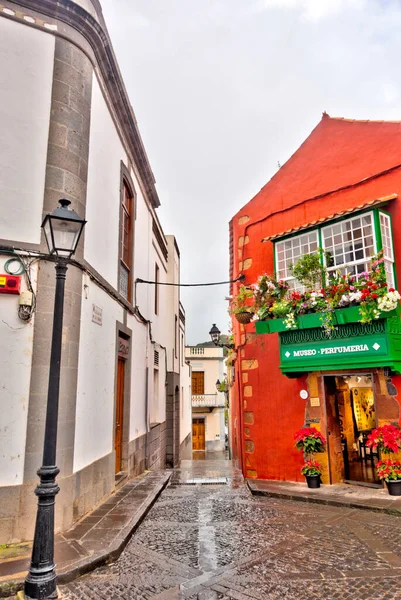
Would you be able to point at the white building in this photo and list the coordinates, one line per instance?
(68, 131)
(208, 405)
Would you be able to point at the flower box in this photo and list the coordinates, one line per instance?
(348, 315)
(277, 325)
(262, 326)
(309, 321)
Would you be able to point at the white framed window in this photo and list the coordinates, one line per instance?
(350, 244)
(289, 251)
(387, 244)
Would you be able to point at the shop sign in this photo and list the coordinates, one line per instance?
(326, 351)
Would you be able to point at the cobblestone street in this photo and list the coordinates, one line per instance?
(216, 541)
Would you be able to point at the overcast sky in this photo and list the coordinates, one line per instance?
(223, 90)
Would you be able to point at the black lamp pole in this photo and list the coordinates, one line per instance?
(41, 580)
(63, 229)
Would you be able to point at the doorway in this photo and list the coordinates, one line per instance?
(118, 436)
(198, 434)
(351, 416)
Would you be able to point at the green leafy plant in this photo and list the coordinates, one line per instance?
(311, 467)
(309, 269)
(244, 301)
(309, 439)
(281, 309)
(389, 469)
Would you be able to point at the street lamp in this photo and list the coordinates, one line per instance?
(62, 229)
(215, 335)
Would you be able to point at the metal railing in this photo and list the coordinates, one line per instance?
(214, 400)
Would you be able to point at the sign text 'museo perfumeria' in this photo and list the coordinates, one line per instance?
(326, 351)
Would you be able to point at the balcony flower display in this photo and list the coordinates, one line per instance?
(367, 293)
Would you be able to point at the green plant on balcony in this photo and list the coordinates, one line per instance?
(309, 270)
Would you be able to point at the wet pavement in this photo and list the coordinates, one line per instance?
(208, 538)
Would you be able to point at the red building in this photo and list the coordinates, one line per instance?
(340, 188)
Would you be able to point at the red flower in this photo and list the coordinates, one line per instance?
(374, 295)
(387, 438)
(391, 290)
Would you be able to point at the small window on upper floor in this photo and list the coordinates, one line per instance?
(387, 245)
(289, 251)
(126, 234)
(350, 244)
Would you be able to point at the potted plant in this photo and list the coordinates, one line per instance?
(387, 439)
(312, 471)
(310, 440)
(390, 471)
(243, 305)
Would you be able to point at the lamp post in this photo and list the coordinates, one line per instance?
(215, 336)
(62, 229)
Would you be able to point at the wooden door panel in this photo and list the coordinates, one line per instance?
(119, 413)
(198, 434)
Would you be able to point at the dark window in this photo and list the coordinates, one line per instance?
(125, 278)
(175, 336)
(156, 289)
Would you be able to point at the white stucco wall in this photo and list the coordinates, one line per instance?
(138, 373)
(15, 375)
(96, 378)
(103, 194)
(26, 73)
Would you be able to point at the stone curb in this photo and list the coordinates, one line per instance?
(89, 563)
(255, 491)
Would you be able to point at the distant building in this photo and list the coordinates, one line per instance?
(339, 191)
(208, 405)
(68, 131)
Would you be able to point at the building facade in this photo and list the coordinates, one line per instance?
(339, 192)
(208, 404)
(68, 131)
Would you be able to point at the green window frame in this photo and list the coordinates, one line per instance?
(352, 241)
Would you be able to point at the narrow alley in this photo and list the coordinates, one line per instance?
(208, 538)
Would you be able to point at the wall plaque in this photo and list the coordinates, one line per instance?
(97, 315)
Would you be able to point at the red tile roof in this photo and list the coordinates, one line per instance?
(337, 154)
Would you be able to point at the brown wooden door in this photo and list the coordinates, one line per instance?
(336, 459)
(119, 413)
(198, 434)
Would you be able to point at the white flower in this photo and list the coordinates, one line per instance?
(389, 301)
